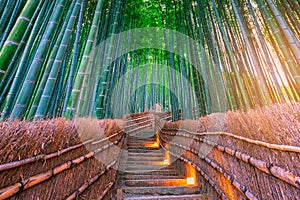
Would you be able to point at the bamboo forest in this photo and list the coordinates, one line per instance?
(149, 99)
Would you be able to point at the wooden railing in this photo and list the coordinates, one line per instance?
(166, 134)
(99, 146)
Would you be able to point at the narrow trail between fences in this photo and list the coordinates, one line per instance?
(146, 172)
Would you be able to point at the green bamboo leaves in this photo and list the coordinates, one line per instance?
(246, 54)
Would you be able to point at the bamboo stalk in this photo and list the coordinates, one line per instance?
(74, 58)
(22, 65)
(73, 101)
(16, 35)
(57, 64)
(12, 19)
(28, 87)
(49, 64)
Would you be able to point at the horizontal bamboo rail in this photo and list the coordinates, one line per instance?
(81, 189)
(162, 113)
(289, 148)
(107, 138)
(39, 178)
(136, 124)
(108, 188)
(22, 162)
(166, 117)
(25, 161)
(136, 119)
(268, 168)
(202, 173)
(139, 128)
(215, 166)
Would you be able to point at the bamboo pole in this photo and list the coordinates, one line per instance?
(22, 162)
(15, 36)
(28, 87)
(81, 189)
(214, 165)
(203, 174)
(39, 178)
(265, 167)
(289, 148)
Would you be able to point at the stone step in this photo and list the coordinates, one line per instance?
(142, 162)
(140, 144)
(151, 132)
(152, 148)
(155, 182)
(155, 153)
(146, 154)
(143, 150)
(163, 172)
(142, 136)
(143, 159)
(162, 190)
(147, 167)
(169, 197)
(140, 140)
(144, 177)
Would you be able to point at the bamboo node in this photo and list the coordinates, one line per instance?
(24, 18)
(269, 166)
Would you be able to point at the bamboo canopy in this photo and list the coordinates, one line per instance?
(80, 58)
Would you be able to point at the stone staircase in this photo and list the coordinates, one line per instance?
(145, 174)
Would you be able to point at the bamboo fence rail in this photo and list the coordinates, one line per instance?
(22, 162)
(136, 124)
(215, 166)
(107, 189)
(39, 178)
(203, 174)
(131, 119)
(256, 142)
(81, 189)
(268, 168)
(167, 117)
(137, 130)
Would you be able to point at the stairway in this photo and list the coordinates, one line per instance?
(145, 175)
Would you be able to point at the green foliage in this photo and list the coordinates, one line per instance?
(58, 70)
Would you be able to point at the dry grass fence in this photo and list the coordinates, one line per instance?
(58, 159)
(252, 155)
